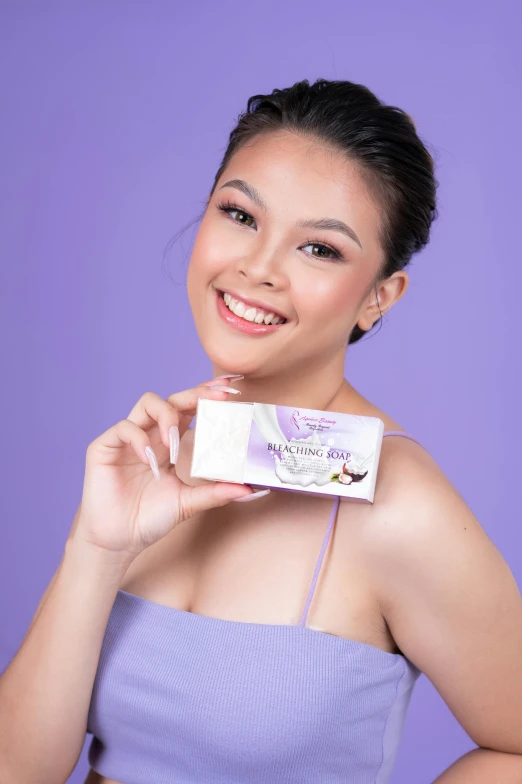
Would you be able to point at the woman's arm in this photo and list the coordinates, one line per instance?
(484, 766)
(452, 604)
(46, 689)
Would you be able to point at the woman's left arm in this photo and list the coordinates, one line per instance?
(454, 609)
(483, 766)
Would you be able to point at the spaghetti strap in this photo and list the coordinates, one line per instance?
(400, 433)
(326, 539)
(329, 529)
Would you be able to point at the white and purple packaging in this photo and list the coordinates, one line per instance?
(299, 449)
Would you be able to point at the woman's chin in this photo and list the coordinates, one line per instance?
(231, 362)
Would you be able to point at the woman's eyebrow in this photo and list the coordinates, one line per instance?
(312, 223)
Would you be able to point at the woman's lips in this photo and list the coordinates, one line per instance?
(249, 327)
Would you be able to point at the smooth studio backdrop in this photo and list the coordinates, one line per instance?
(114, 118)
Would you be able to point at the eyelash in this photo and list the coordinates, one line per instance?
(227, 207)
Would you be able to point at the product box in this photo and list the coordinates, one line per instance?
(299, 449)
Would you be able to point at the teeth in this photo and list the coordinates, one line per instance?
(256, 315)
(239, 308)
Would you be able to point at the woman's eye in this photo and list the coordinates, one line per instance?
(334, 255)
(245, 215)
(229, 209)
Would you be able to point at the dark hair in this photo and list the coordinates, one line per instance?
(381, 140)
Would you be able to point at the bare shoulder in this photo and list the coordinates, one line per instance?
(415, 503)
(407, 480)
(414, 498)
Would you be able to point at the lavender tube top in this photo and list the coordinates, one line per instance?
(182, 698)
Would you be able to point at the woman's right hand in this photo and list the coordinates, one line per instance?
(124, 507)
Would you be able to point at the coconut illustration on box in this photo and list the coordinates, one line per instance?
(351, 471)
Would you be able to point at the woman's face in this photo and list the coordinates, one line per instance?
(262, 253)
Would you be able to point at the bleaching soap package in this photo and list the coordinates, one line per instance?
(299, 449)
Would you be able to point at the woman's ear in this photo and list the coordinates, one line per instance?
(381, 298)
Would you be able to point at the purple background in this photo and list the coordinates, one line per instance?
(114, 118)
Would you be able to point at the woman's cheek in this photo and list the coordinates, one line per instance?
(318, 302)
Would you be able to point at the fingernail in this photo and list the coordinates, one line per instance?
(230, 375)
(224, 389)
(151, 457)
(253, 496)
(174, 443)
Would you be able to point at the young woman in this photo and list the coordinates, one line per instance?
(203, 640)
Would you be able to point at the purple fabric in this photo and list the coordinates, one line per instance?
(180, 697)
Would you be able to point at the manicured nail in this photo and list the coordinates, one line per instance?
(253, 496)
(224, 389)
(174, 443)
(230, 375)
(151, 457)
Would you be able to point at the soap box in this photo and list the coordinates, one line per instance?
(299, 449)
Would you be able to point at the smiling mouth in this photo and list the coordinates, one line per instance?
(258, 315)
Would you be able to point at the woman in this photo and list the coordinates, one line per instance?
(277, 640)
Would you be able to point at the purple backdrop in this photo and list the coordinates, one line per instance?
(114, 119)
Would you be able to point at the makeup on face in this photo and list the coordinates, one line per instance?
(297, 449)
